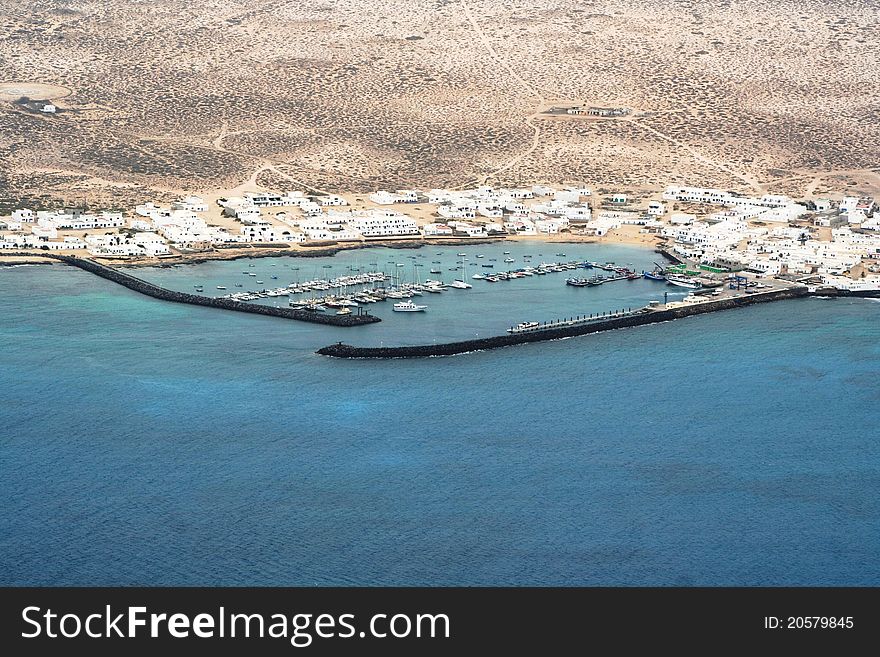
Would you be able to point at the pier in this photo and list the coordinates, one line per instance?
(565, 328)
(151, 290)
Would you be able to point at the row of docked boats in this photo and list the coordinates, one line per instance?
(402, 293)
(619, 274)
(625, 273)
(523, 272)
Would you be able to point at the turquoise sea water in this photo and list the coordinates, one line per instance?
(143, 442)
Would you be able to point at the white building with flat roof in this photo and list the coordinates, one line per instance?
(383, 223)
(437, 230)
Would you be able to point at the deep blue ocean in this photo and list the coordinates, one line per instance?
(145, 442)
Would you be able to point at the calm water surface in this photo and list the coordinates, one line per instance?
(144, 442)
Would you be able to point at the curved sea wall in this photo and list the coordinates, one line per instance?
(340, 350)
(157, 292)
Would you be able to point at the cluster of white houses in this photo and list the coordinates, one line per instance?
(774, 235)
(771, 234)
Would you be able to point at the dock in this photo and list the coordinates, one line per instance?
(567, 328)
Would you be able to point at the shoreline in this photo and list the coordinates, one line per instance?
(325, 249)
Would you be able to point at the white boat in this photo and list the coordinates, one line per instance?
(462, 255)
(408, 307)
(508, 260)
(459, 283)
(344, 311)
(683, 281)
(221, 287)
(523, 326)
(478, 277)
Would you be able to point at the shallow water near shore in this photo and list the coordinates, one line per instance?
(145, 442)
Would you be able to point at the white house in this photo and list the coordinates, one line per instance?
(437, 230)
(567, 195)
(458, 210)
(191, 203)
(471, 230)
(408, 195)
(656, 208)
(520, 226)
(331, 199)
(383, 223)
(490, 210)
(249, 215)
(262, 233)
(151, 243)
(24, 216)
(383, 197)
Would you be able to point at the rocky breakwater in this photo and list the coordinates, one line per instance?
(157, 292)
(649, 316)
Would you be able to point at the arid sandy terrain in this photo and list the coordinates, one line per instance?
(164, 96)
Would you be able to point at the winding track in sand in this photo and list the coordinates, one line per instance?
(749, 181)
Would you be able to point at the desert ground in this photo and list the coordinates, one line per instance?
(168, 96)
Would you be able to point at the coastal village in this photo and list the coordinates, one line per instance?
(833, 242)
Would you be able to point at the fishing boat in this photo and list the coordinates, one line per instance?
(523, 326)
(654, 275)
(408, 307)
(577, 282)
(684, 281)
